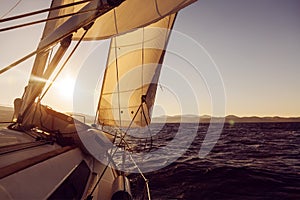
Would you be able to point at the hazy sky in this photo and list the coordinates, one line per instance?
(256, 45)
(253, 45)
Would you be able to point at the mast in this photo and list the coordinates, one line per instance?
(56, 31)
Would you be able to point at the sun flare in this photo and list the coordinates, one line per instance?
(66, 87)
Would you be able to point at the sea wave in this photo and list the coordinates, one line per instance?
(249, 161)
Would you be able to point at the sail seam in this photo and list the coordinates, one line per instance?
(115, 19)
(157, 9)
(45, 20)
(11, 9)
(143, 52)
(103, 82)
(117, 70)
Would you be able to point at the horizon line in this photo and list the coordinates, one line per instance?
(198, 115)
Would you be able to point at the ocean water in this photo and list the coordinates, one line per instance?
(249, 161)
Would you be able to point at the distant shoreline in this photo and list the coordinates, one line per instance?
(226, 122)
(230, 119)
(7, 112)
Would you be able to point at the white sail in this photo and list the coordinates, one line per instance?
(41, 71)
(50, 26)
(108, 21)
(132, 14)
(129, 15)
(53, 24)
(132, 73)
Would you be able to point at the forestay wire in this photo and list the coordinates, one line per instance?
(11, 9)
(38, 11)
(66, 61)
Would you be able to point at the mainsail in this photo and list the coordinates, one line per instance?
(132, 14)
(132, 73)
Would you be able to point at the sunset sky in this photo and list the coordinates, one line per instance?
(249, 48)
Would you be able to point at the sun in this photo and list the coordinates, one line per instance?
(65, 87)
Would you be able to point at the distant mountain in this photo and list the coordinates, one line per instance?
(254, 119)
(176, 119)
(228, 119)
(6, 114)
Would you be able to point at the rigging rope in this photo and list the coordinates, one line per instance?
(40, 50)
(112, 155)
(86, 28)
(45, 20)
(143, 58)
(142, 174)
(38, 11)
(23, 59)
(117, 70)
(6, 122)
(19, 61)
(11, 9)
(122, 139)
(64, 64)
(149, 130)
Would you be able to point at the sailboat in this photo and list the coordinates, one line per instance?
(47, 154)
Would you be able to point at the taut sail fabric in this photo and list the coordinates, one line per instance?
(54, 31)
(109, 21)
(132, 14)
(132, 73)
(53, 24)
